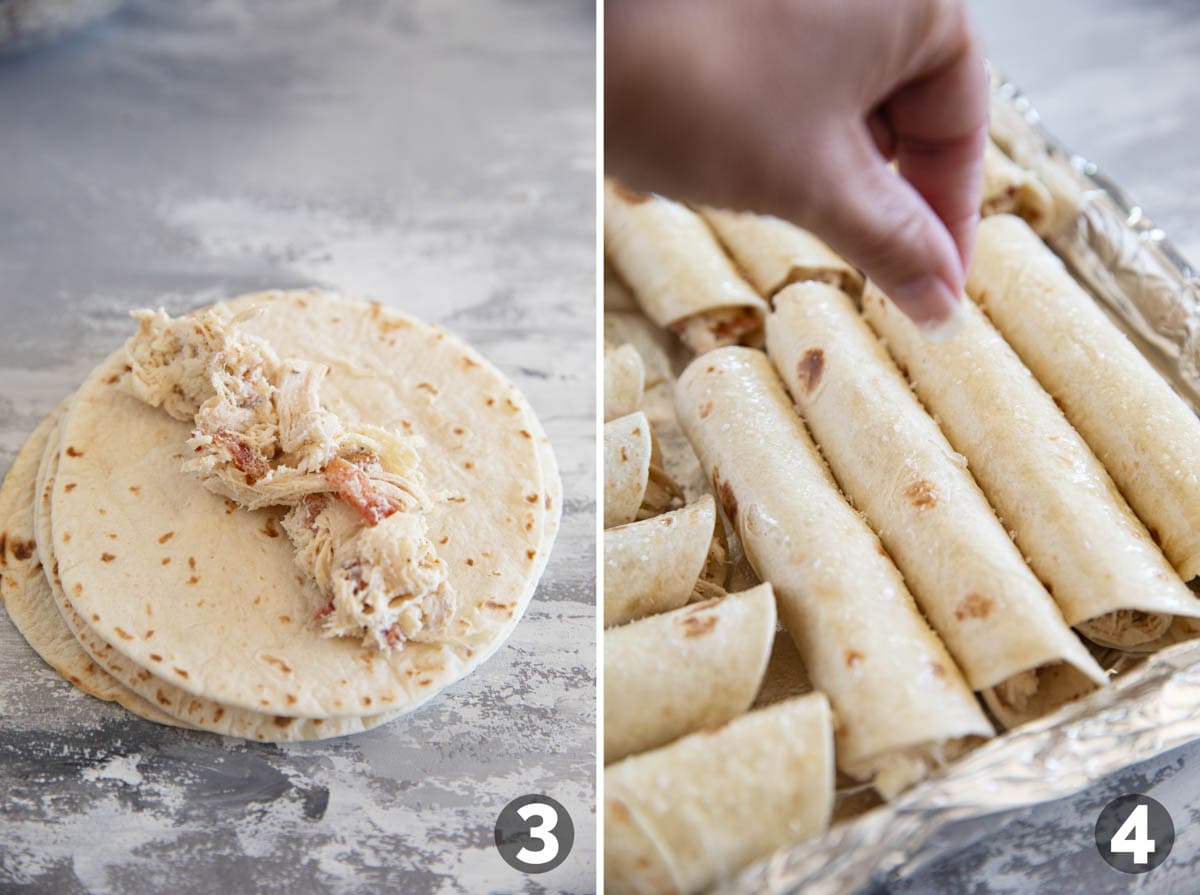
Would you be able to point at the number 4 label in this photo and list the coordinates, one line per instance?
(1133, 837)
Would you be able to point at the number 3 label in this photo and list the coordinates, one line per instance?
(534, 834)
(1134, 834)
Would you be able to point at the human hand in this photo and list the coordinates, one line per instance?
(795, 108)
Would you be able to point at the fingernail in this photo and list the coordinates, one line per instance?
(936, 310)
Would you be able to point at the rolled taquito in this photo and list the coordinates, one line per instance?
(895, 465)
(634, 486)
(624, 381)
(1070, 522)
(774, 253)
(901, 700)
(1010, 189)
(668, 675)
(687, 816)
(678, 272)
(654, 565)
(1145, 435)
(1020, 143)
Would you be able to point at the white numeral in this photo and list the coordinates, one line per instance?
(542, 833)
(1133, 837)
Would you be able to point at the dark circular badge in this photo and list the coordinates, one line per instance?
(1134, 833)
(534, 833)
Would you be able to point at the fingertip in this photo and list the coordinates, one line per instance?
(932, 305)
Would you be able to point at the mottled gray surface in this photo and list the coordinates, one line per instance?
(437, 156)
(1119, 82)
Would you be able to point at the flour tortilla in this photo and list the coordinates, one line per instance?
(627, 449)
(652, 566)
(25, 589)
(1049, 490)
(682, 818)
(901, 701)
(1011, 134)
(1010, 189)
(240, 631)
(678, 271)
(775, 253)
(897, 468)
(624, 381)
(675, 673)
(1141, 430)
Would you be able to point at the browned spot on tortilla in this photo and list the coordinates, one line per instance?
(526, 434)
(166, 560)
(123, 634)
(192, 563)
(493, 604)
(286, 619)
(637, 431)
(366, 700)
(705, 409)
(269, 528)
(853, 658)
(458, 499)
(724, 492)
(458, 430)
(512, 405)
(77, 589)
(974, 605)
(427, 386)
(531, 498)
(194, 579)
(135, 489)
(218, 714)
(257, 600)
(73, 451)
(698, 626)
(667, 521)
(163, 538)
(938, 670)
(291, 699)
(156, 657)
(531, 553)
(468, 465)
(144, 675)
(66, 537)
(922, 494)
(529, 525)
(624, 454)
(230, 506)
(278, 662)
(281, 721)
(95, 616)
(148, 634)
(490, 402)
(106, 557)
(69, 487)
(76, 681)
(102, 511)
(180, 672)
(630, 196)
(263, 702)
(111, 380)
(112, 535)
(810, 368)
(470, 561)
(445, 539)
(22, 550)
(425, 682)
(467, 362)
(161, 697)
(619, 812)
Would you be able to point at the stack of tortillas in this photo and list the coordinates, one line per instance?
(140, 586)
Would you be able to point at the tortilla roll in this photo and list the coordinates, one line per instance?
(901, 701)
(671, 674)
(653, 566)
(678, 272)
(1145, 435)
(1066, 516)
(627, 451)
(1010, 189)
(1013, 136)
(897, 468)
(775, 253)
(624, 381)
(694, 813)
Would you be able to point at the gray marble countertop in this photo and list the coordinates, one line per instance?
(436, 156)
(1119, 83)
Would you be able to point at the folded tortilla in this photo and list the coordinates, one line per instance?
(897, 468)
(654, 565)
(1070, 522)
(675, 673)
(1010, 189)
(1012, 135)
(678, 272)
(624, 380)
(901, 700)
(1145, 435)
(626, 467)
(775, 253)
(682, 818)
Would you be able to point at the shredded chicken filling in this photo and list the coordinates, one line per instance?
(262, 437)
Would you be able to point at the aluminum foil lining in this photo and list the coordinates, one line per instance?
(1144, 283)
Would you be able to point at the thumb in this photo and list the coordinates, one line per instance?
(881, 223)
